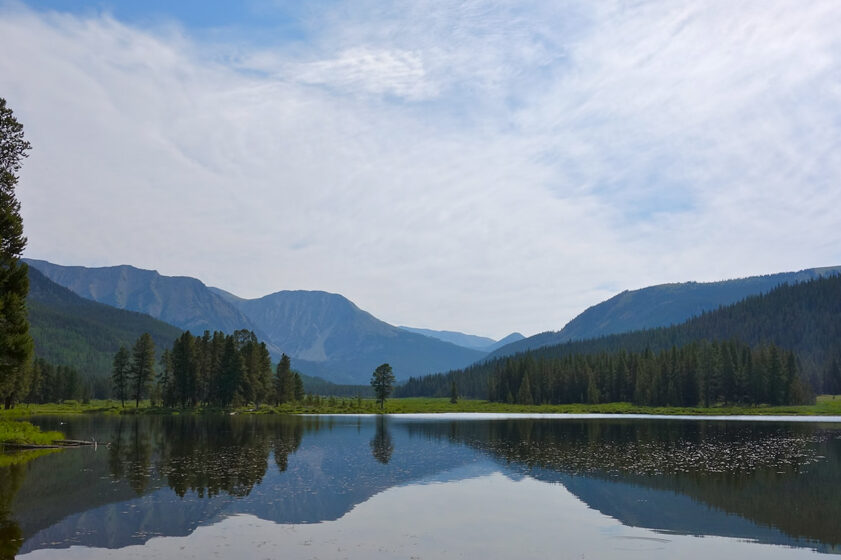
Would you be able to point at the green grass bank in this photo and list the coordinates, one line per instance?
(826, 405)
(20, 432)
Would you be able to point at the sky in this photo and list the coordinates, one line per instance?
(480, 166)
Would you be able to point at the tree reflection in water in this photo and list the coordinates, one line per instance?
(13, 471)
(381, 445)
(757, 470)
(685, 477)
(203, 455)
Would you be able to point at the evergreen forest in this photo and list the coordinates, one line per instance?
(775, 348)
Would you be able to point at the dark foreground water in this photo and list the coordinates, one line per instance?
(433, 487)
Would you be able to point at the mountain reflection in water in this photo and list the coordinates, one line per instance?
(772, 483)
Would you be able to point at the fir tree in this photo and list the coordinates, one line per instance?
(230, 373)
(184, 371)
(263, 378)
(16, 345)
(524, 394)
(298, 386)
(382, 380)
(283, 382)
(164, 390)
(142, 367)
(120, 374)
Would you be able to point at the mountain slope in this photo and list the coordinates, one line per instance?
(480, 343)
(453, 337)
(659, 306)
(71, 330)
(328, 336)
(510, 339)
(804, 318)
(325, 334)
(180, 301)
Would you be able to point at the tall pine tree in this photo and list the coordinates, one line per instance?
(283, 381)
(16, 347)
(142, 367)
(120, 374)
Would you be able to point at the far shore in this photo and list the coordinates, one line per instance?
(14, 428)
(826, 405)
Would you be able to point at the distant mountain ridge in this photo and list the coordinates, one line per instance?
(329, 336)
(71, 330)
(324, 334)
(803, 318)
(178, 300)
(481, 343)
(659, 306)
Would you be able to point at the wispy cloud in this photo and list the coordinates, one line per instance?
(481, 166)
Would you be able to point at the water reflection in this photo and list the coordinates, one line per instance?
(11, 536)
(381, 446)
(655, 474)
(166, 476)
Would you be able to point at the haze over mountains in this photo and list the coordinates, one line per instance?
(325, 334)
(328, 336)
(659, 306)
(71, 330)
(178, 300)
(481, 343)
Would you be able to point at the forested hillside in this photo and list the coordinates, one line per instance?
(325, 334)
(72, 331)
(663, 305)
(803, 318)
(178, 300)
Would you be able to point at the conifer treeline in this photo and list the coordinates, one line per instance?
(804, 318)
(213, 369)
(51, 383)
(699, 374)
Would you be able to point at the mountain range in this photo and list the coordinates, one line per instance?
(325, 334)
(659, 306)
(71, 330)
(480, 343)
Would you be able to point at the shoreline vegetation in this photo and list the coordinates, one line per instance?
(826, 405)
(16, 431)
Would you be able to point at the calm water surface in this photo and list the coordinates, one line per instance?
(425, 487)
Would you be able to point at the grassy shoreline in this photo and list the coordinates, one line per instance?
(826, 406)
(19, 432)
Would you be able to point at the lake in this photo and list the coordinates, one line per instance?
(425, 487)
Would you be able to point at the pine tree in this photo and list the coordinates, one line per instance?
(120, 374)
(16, 347)
(230, 372)
(524, 394)
(298, 386)
(164, 390)
(593, 395)
(263, 391)
(283, 382)
(142, 367)
(184, 371)
(382, 381)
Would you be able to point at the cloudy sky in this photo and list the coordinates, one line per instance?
(483, 166)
